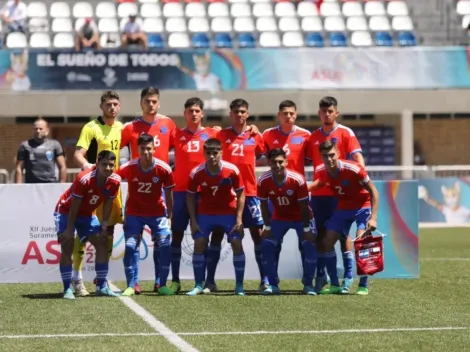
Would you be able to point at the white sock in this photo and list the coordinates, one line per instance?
(77, 275)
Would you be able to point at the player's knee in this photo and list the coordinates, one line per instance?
(131, 244)
(217, 237)
(110, 230)
(329, 240)
(255, 233)
(309, 237)
(67, 249)
(200, 245)
(269, 245)
(237, 246)
(177, 238)
(164, 241)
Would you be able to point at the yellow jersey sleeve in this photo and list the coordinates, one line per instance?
(86, 137)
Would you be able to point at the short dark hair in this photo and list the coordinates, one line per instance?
(327, 145)
(326, 102)
(110, 94)
(144, 138)
(287, 104)
(276, 152)
(149, 91)
(106, 155)
(194, 102)
(239, 103)
(212, 143)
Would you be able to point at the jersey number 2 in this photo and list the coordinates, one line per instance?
(144, 187)
(340, 190)
(114, 144)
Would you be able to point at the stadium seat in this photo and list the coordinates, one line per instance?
(150, 10)
(402, 23)
(223, 40)
(108, 25)
(198, 24)
(152, 25)
(292, 39)
(315, 40)
(463, 7)
(37, 9)
(240, 10)
(195, 9)
(221, 24)
(379, 23)
(352, 8)
(312, 24)
(201, 40)
(79, 22)
(178, 40)
(173, 9)
(286, 9)
(243, 24)
(262, 10)
(175, 25)
(258, 1)
(246, 40)
(383, 39)
(334, 24)
(406, 38)
(155, 40)
(110, 40)
(397, 8)
(123, 22)
(218, 9)
(289, 24)
(330, 9)
(40, 40)
(306, 9)
(465, 21)
(269, 40)
(237, 1)
(16, 40)
(338, 39)
(266, 24)
(105, 10)
(374, 8)
(63, 40)
(59, 10)
(81, 10)
(62, 25)
(127, 8)
(38, 24)
(361, 38)
(356, 23)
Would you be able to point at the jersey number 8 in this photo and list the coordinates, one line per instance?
(94, 199)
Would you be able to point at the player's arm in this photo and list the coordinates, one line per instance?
(20, 158)
(238, 187)
(168, 185)
(358, 158)
(374, 201)
(302, 198)
(68, 234)
(316, 185)
(191, 200)
(265, 213)
(107, 207)
(355, 150)
(83, 144)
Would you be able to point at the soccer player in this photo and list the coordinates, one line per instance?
(323, 201)
(102, 133)
(146, 177)
(220, 205)
(160, 127)
(358, 201)
(288, 193)
(240, 148)
(75, 211)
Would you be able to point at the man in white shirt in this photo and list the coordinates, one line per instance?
(14, 14)
(132, 34)
(87, 36)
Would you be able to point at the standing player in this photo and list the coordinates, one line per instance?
(288, 194)
(160, 127)
(240, 148)
(358, 201)
(75, 211)
(323, 200)
(103, 133)
(220, 205)
(146, 177)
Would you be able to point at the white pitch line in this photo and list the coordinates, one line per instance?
(445, 259)
(156, 324)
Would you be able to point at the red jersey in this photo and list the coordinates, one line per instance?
(144, 195)
(161, 131)
(242, 150)
(85, 188)
(189, 153)
(348, 185)
(346, 143)
(285, 197)
(216, 192)
(294, 144)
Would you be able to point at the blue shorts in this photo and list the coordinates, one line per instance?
(323, 208)
(252, 213)
(207, 224)
(180, 212)
(342, 220)
(134, 225)
(279, 229)
(84, 225)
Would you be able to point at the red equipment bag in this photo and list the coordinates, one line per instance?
(369, 255)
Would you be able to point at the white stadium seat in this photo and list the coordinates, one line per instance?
(37, 9)
(334, 23)
(352, 8)
(312, 24)
(243, 24)
(79, 23)
(463, 7)
(62, 25)
(63, 40)
(40, 40)
(59, 10)
(269, 40)
(178, 40)
(374, 8)
(195, 9)
(82, 9)
(38, 24)
(126, 9)
(105, 10)
(175, 25)
(262, 10)
(150, 10)
(240, 10)
(292, 39)
(123, 22)
(237, 1)
(266, 24)
(198, 24)
(221, 24)
(16, 40)
(361, 38)
(258, 1)
(379, 23)
(288, 24)
(397, 8)
(306, 9)
(110, 40)
(108, 25)
(218, 9)
(147, 1)
(330, 9)
(356, 23)
(282, 9)
(173, 9)
(153, 25)
(402, 23)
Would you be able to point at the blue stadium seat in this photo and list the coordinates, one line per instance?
(383, 39)
(406, 39)
(155, 40)
(246, 40)
(201, 40)
(223, 40)
(315, 40)
(338, 39)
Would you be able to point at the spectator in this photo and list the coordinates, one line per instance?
(87, 36)
(133, 34)
(38, 157)
(14, 14)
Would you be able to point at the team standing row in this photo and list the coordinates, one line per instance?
(226, 189)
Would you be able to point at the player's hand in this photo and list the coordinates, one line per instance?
(66, 236)
(238, 228)
(265, 234)
(371, 225)
(253, 130)
(217, 128)
(195, 228)
(103, 236)
(87, 166)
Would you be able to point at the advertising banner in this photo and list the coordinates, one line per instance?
(30, 251)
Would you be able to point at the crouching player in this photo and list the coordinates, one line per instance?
(146, 176)
(358, 201)
(74, 211)
(220, 206)
(288, 194)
